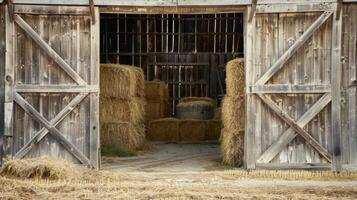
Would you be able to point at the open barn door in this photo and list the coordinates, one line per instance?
(52, 83)
(292, 85)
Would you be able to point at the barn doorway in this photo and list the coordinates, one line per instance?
(184, 53)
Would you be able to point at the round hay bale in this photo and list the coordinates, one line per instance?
(166, 129)
(193, 99)
(123, 134)
(232, 147)
(213, 130)
(192, 130)
(235, 77)
(200, 110)
(114, 110)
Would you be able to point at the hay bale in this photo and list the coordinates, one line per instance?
(123, 134)
(38, 168)
(166, 129)
(213, 129)
(194, 99)
(233, 113)
(115, 110)
(235, 77)
(232, 147)
(121, 81)
(156, 91)
(218, 113)
(200, 110)
(192, 130)
(156, 110)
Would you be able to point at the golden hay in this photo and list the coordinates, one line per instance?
(156, 110)
(194, 99)
(45, 168)
(213, 129)
(201, 110)
(233, 114)
(166, 129)
(156, 91)
(192, 130)
(218, 113)
(121, 81)
(123, 134)
(232, 147)
(115, 110)
(235, 77)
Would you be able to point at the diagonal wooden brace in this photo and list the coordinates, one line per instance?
(55, 121)
(290, 134)
(52, 129)
(293, 48)
(302, 132)
(48, 49)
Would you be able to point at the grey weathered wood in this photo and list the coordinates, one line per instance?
(2, 75)
(293, 48)
(94, 154)
(38, 136)
(252, 10)
(53, 54)
(336, 91)
(288, 88)
(52, 129)
(249, 32)
(302, 132)
(52, 10)
(297, 166)
(28, 88)
(290, 134)
(295, 8)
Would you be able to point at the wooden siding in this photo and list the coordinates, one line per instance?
(2, 71)
(348, 85)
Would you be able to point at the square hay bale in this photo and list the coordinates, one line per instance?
(123, 134)
(121, 81)
(156, 110)
(156, 91)
(192, 130)
(232, 147)
(235, 77)
(166, 129)
(233, 113)
(115, 110)
(213, 130)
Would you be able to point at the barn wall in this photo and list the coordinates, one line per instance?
(349, 95)
(2, 69)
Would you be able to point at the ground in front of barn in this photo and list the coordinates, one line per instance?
(178, 171)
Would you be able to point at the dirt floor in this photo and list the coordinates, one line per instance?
(184, 171)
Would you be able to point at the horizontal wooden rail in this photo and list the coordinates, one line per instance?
(287, 88)
(25, 88)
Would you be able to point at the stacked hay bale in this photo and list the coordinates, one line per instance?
(233, 114)
(157, 97)
(122, 106)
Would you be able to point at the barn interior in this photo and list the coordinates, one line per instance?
(183, 60)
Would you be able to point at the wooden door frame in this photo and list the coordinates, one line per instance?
(83, 89)
(259, 89)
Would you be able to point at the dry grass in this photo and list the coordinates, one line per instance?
(156, 91)
(165, 129)
(233, 113)
(213, 129)
(194, 99)
(235, 77)
(232, 146)
(123, 134)
(81, 183)
(192, 130)
(121, 81)
(156, 110)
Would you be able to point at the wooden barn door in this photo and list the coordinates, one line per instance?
(293, 87)
(52, 83)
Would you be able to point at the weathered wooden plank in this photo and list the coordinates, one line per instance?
(290, 134)
(302, 132)
(295, 8)
(52, 10)
(28, 88)
(287, 88)
(291, 166)
(2, 75)
(53, 54)
(52, 129)
(336, 90)
(293, 48)
(94, 149)
(38, 136)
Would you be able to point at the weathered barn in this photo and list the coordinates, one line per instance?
(300, 69)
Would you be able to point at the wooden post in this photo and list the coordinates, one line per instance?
(2, 73)
(336, 90)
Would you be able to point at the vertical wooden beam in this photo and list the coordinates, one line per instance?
(2, 73)
(94, 149)
(249, 31)
(9, 84)
(252, 10)
(336, 90)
